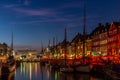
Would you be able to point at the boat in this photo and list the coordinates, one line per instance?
(9, 65)
(64, 67)
(84, 66)
(112, 70)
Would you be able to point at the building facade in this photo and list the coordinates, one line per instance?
(113, 40)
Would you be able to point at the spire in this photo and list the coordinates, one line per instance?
(53, 41)
(12, 43)
(56, 40)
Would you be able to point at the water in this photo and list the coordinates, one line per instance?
(34, 71)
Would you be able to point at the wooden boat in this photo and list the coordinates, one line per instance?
(79, 68)
(66, 69)
(8, 66)
(112, 71)
(83, 67)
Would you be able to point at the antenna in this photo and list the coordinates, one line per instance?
(65, 44)
(12, 44)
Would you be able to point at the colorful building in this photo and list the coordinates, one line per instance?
(96, 40)
(104, 39)
(88, 45)
(114, 38)
(76, 45)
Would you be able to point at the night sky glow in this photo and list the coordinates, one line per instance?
(37, 21)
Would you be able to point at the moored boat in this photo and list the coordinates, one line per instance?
(83, 68)
(66, 69)
(112, 71)
(8, 66)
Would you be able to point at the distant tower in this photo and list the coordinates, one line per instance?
(53, 41)
(12, 44)
(56, 40)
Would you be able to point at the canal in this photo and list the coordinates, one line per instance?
(35, 71)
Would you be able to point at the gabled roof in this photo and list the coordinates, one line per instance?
(77, 38)
(97, 30)
(105, 28)
(116, 23)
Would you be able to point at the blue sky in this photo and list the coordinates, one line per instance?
(37, 21)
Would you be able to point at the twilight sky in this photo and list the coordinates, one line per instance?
(37, 21)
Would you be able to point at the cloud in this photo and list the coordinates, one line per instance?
(18, 8)
(9, 6)
(27, 2)
(19, 4)
(44, 21)
(56, 14)
(33, 12)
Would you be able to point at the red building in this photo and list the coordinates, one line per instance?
(114, 38)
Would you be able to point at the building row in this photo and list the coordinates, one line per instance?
(4, 49)
(103, 40)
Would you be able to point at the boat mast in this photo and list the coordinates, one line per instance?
(84, 32)
(12, 44)
(65, 44)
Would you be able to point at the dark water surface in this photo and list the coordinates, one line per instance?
(35, 71)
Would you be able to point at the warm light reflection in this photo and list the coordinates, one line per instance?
(48, 73)
(36, 69)
(91, 78)
(21, 68)
(30, 69)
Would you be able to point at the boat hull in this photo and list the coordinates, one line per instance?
(78, 68)
(8, 69)
(66, 69)
(112, 72)
(83, 68)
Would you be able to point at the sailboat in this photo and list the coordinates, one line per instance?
(65, 67)
(112, 71)
(83, 67)
(10, 64)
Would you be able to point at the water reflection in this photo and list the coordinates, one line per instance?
(36, 71)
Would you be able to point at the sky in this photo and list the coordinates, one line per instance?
(35, 22)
